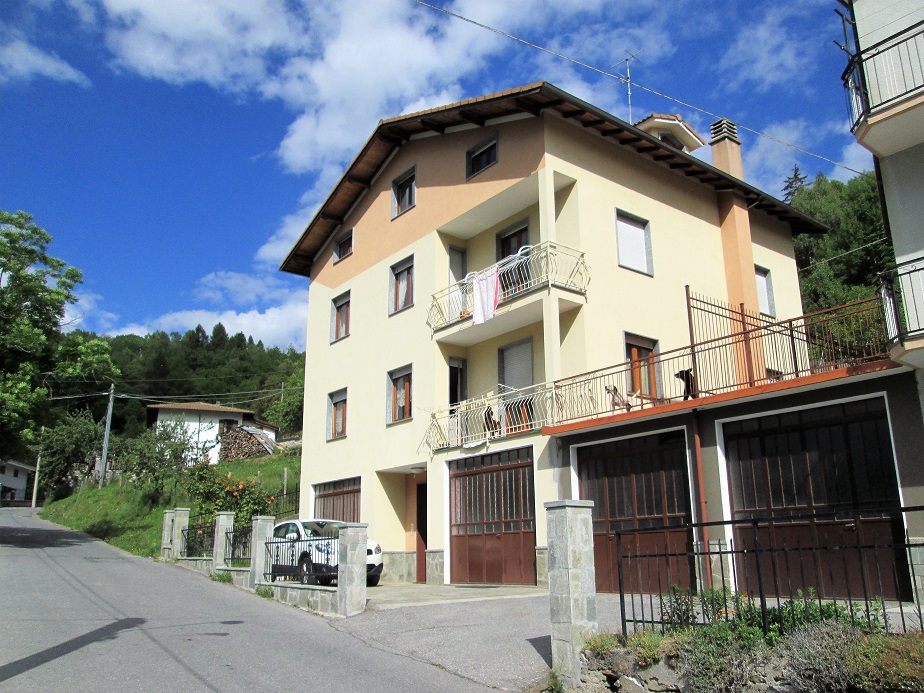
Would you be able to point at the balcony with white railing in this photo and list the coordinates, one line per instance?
(548, 264)
(494, 415)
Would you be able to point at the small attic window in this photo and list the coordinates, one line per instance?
(343, 247)
(670, 140)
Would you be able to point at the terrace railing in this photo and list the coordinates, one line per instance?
(496, 414)
(763, 354)
(885, 72)
(546, 264)
(902, 291)
(199, 537)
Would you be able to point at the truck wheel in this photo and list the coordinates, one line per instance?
(305, 571)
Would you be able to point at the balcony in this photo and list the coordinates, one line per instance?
(882, 76)
(494, 415)
(770, 355)
(902, 291)
(545, 265)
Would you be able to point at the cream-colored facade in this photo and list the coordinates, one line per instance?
(563, 172)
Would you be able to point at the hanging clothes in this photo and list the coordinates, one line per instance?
(485, 295)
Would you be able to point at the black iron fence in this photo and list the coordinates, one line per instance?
(199, 537)
(285, 505)
(238, 547)
(861, 566)
(310, 561)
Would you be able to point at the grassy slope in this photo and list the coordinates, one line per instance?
(123, 515)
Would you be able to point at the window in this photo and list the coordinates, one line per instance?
(344, 246)
(764, 291)
(226, 425)
(338, 500)
(480, 157)
(340, 317)
(633, 243)
(401, 289)
(640, 353)
(15, 473)
(336, 414)
(404, 193)
(399, 395)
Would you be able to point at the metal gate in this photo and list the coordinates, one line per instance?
(836, 462)
(493, 519)
(639, 484)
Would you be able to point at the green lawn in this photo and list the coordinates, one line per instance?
(126, 516)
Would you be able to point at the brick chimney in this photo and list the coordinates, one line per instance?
(726, 147)
(734, 218)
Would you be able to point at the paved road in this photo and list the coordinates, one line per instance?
(78, 614)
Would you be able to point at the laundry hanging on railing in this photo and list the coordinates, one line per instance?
(485, 295)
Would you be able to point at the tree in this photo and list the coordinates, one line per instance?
(794, 184)
(842, 265)
(35, 288)
(69, 450)
(159, 454)
(286, 412)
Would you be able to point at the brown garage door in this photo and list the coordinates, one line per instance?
(493, 519)
(827, 460)
(641, 492)
(338, 500)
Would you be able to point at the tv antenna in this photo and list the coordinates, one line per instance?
(628, 78)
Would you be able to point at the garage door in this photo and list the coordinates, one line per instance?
(833, 461)
(493, 519)
(338, 500)
(641, 495)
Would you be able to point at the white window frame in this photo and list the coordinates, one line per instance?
(393, 272)
(396, 185)
(628, 228)
(338, 255)
(333, 400)
(765, 301)
(335, 305)
(393, 376)
(480, 148)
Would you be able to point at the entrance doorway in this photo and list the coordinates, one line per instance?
(422, 532)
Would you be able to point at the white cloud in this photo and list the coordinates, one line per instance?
(281, 325)
(86, 314)
(767, 163)
(239, 289)
(22, 61)
(852, 156)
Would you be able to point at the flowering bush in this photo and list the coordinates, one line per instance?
(216, 492)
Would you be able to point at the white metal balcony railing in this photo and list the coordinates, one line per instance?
(902, 290)
(546, 264)
(891, 69)
(496, 414)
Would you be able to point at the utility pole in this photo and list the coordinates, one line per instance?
(35, 483)
(102, 477)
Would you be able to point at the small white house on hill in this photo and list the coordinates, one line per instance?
(207, 423)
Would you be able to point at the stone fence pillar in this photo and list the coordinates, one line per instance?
(224, 523)
(180, 524)
(351, 570)
(166, 536)
(262, 533)
(572, 585)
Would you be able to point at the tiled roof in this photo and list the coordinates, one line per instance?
(199, 406)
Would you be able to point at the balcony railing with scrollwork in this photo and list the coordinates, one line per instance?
(546, 264)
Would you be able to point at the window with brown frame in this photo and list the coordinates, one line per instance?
(338, 500)
(401, 290)
(399, 396)
(404, 193)
(640, 353)
(343, 246)
(336, 414)
(340, 317)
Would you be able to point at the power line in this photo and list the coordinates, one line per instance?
(625, 79)
(835, 257)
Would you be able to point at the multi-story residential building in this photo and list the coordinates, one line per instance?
(885, 87)
(476, 273)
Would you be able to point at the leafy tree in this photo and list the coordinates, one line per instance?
(35, 289)
(842, 265)
(69, 450)
(159, 454)
(794, 183)
(286, 412)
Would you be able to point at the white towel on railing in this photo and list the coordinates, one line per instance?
(485, 294)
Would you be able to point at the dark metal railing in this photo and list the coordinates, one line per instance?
(199, 538)
(310, 561)
(859, 566)
(902, 292)
(885, 72)
(238, 546)
(285, 505)
(752, 355)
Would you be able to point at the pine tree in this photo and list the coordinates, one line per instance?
(794, 184)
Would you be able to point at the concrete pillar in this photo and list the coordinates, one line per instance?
(180, 524)
(547, 210)
(262, 533)
(166, 536)
(351, 570)
(551, 336)
(224, 523)
(572, 584)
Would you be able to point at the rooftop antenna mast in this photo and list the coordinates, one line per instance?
(628, 78)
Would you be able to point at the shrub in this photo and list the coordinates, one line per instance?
(679, 609)
(599, 643)
(817, 656)
(716, 659)
(223, 576)
(264, 591)
(888, 664)
(645, 646)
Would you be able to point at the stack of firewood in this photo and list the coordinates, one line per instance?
(238, 444)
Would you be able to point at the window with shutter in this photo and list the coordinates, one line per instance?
(633, 243)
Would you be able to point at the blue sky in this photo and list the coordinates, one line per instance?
(176, 149)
